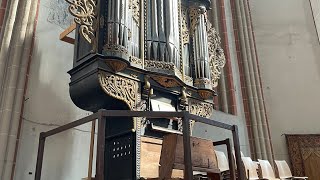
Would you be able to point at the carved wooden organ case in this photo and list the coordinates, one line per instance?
(143, 55)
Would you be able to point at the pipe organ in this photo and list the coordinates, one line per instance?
(132, 54)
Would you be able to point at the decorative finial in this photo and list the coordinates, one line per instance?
(183, 99)
(147, 85)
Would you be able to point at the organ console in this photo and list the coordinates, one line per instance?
(144, 55)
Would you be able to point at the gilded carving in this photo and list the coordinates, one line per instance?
(202, 81)
(185, 28)
(183, 98)
(147, 85)
(194, 14)
(134, 5)
(115, 48)
(84, 12)
(200, 108)
(163, 67)
(120, 88)
(135, 60)
(188, 79)
(159, 65)
(205, 94)
(178, 73)
(216, 54)
(181, 44)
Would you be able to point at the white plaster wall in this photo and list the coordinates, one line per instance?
(48, 104)
(289, 53)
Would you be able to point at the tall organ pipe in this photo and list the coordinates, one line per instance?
(200, 47)
(163, 31)
(117, 34)
(134, 25)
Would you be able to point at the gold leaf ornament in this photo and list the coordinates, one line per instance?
(119, 88)
(216, 54)
(84, 12)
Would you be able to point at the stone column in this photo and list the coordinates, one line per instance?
(17, 54)
(252, 82)
(255, 63)
(6, 33)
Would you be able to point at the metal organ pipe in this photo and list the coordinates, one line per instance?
(161, 28)
(172, 31)
(117, 23)
(134, 31)
(163, 31)
(185, 40)
(200, 48)
(180, 28)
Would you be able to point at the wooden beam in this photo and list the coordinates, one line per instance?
(64, 35)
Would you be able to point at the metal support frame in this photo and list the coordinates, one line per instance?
(102, 116)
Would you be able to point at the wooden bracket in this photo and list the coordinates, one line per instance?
(64, 35)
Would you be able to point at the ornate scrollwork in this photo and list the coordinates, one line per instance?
(205, 94)
(163, 67)
(135, 60)
(120, 88)
(185, 27)
(142, 106)
(216, 54)
(84, 12)
(202, 81)
(188, 79)
(178, 73)
(134, 5)
(195, 14)
(200, 108)
(159, 65)
(116, 48)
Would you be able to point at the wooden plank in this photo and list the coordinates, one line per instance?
(166, 162)
(64, 35)
(203, 155)
(150, 140)
(150, 158)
